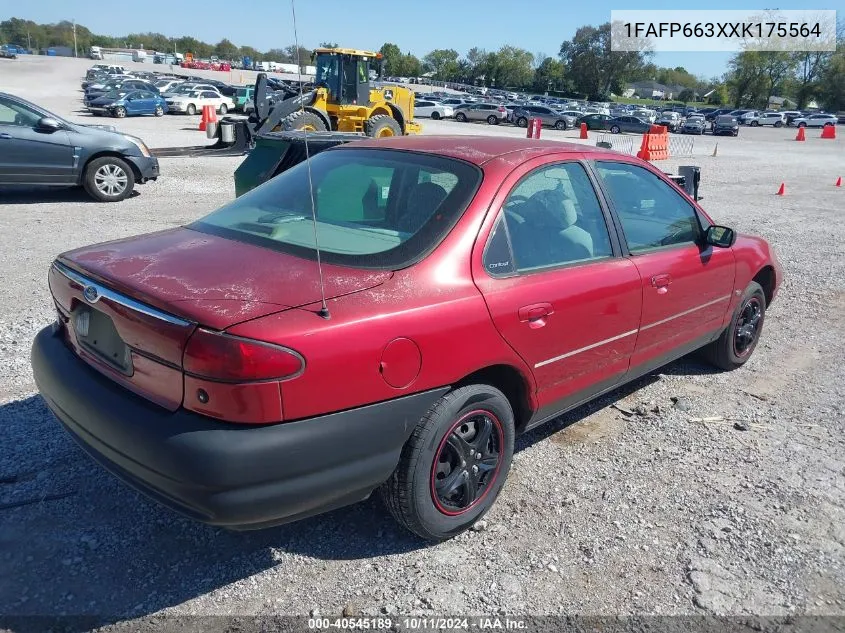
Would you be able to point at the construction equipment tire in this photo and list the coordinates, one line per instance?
(382, 125)
(303, 120)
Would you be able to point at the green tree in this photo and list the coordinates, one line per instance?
(411, 66)
(443, 62)
(513, 67)
(224, 49)
(831, 93)
(328, 45)
(392, 56)
(719, 96)
(549, 75)
(745, 79)
(595, 69)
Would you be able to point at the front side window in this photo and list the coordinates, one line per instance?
(12, 113)
(379, 209)
(653, 214)
(554, 217)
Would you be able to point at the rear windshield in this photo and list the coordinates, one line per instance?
(381, 209)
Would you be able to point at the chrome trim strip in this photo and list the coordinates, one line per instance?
(118, 298)
(584, 349)
(684, 313)
(629, 333)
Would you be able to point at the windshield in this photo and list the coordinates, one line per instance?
(243, 92)
(375, 208)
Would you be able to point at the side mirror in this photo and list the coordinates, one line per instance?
(719, 236)
(48, 124)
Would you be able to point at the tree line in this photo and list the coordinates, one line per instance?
(583, 67)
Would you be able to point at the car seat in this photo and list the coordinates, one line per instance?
(422, 200)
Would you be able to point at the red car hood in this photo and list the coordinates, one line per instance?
(212, 280)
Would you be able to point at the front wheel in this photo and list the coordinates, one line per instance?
(454, 464)
(435, 115)
(191, 109)
(522, 122)
(736, 344)
(159, 111)
(778, 123)
(615, 129)
(460, 116)
(560, 125)
(802, 124)
(108, 179)
(119, 112)
(755, 123)
(492, 120)
(223, 109)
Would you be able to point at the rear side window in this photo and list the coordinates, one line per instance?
(653, 214)
(380, 209)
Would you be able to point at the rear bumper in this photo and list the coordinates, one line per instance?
(147, 166)
(235, 476)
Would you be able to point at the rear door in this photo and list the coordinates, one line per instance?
(686, 288)
(29, 155)
(555, 282)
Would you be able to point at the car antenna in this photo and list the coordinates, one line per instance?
(324, 308)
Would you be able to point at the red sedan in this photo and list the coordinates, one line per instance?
(464, 290)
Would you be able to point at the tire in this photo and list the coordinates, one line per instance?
(159, 111)
(731, 351)
(435, 115)
(460, 116)
(828, 124)
(191, 109)
(802, 124)
(778, 123)
(428, 456)
(492, 120)
(755, 123)
(522, 122)
(560, 125)
(108, 179)
(303, 120)
(119, 112)
(615, 129)
(382, 125)
(223, 109)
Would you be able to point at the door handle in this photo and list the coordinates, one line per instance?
(661, 282)
(535, 313)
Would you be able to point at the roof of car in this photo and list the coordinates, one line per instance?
(473, 149)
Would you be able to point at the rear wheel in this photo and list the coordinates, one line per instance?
(614, 129)
(191, 109)
(560, 125)
(492, 120)
(736, 344)
(303, 120)
(802, 124)
(119, 112)
(435, 115)
(223, 109)
(755, 123)
(382, 125)
(454, 464)
(108, 179)
(159, 111)
(522, 122)
(778, 123)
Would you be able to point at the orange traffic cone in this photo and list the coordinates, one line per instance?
(212, 115)
(828, 131)
(800, 136)
(204, 120)
(839, 182)
(584, 131)
(782, 190)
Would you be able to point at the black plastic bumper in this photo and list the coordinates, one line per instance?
(147, 167)
(232, 475)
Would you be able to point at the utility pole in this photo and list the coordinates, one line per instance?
(28, 41)
(74, 39)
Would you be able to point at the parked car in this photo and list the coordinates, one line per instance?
(776, 119)
(694, 125)
(211, 379)
(7, 53)
(595, 121)
(746, 118)
(791, 115)
(432, 109)
(552, 118)
(166, 85)
(42, 149)
(628, 124)
(242, 96)
(193, 102)
(816, 120)
(125, 86)
(711, 116)
(187, 88)
(493, 113)
(725, 124)
(671, 120)
(133, 103)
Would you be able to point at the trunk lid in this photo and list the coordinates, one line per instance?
(130, 306)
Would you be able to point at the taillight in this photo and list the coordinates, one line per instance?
(224, 358)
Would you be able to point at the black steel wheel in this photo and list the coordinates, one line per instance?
(737, 342)
(454, 464)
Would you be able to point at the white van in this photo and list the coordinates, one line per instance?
(95, 53)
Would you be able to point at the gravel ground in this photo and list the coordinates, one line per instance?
(649, 510)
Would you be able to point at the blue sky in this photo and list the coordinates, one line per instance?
(417, 26)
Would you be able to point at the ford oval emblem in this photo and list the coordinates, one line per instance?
(90, 293)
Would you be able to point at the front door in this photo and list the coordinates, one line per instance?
(686, 288)
(557, 289)
(29, 155)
